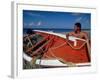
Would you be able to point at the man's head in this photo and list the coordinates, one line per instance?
(77, 27)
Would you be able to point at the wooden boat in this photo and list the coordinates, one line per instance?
(56, 51)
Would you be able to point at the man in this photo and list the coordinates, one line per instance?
(77, 32)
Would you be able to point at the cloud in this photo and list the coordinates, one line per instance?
(39, 23)
(78, 19)
(31, 24)
(86, 20)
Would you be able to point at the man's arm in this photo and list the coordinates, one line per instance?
(85, 35)
(67, 35)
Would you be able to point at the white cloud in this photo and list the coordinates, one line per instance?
(86, 20)
(39, 23)
(78, 19)
(31, 24)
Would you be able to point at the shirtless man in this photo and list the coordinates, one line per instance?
(77, 32)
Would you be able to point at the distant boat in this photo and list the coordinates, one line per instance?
(56, 51)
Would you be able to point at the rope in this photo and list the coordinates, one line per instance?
(70, 64)
(29, 41)
(78, 47)
(59, 45)
(71, 45)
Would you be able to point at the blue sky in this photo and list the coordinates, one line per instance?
(49, 19)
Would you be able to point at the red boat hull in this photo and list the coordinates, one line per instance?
(59, 49)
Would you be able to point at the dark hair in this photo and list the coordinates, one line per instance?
(78, 24)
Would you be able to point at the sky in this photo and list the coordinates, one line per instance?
(58, 20)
